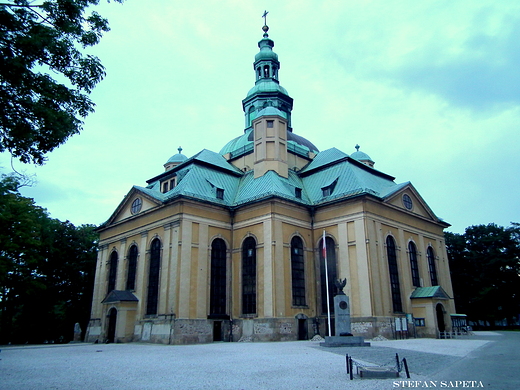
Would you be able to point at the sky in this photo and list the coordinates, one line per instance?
(430, 90)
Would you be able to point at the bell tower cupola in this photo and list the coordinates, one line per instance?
(267, 91)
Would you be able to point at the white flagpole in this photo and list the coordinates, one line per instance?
(326, 280)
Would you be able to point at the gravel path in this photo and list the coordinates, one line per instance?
(276, 365)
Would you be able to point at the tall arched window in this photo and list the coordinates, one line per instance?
(217, 297)
(297, 272)
(153, 277)
(414, 265)
(394, 274)
(249, 276)
(132, 268)
(431, 265)
(332, 273)
(112, 271)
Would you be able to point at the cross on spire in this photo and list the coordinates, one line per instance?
(265, 17)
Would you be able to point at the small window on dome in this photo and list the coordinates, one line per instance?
(298, 192)
(220, 193)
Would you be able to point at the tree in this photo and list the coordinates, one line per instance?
(46, 271)
(485, 271)
(45, 79)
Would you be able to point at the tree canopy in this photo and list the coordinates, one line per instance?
(46, 271)
(45, 78)
(485, 271)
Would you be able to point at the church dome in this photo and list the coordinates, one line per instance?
(239, 142)
(266, 85)
(266, 50)
(362, 157)
(245, 142)
(175, 160)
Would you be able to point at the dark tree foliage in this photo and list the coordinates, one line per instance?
(46, 271)
(45, 78)
(485, 271)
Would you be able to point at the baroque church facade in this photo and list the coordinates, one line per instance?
(228, 246)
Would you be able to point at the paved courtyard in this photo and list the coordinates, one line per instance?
(276, 365)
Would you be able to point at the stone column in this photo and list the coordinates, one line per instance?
(268, 271)
(363, 274)
(173, 307)
(121, 266)
(202, 272)
(164, 274)
(142, 274)
(185, 271)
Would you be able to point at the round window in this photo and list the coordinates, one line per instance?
(407, 201)
(136, 205)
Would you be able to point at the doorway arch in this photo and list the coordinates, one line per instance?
(112, 320)
(441, 325)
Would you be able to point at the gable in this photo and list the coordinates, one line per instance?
(135, 202)
(406, 198)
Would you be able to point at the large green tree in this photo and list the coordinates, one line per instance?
(485, 271)
(46, 271)
(45, 78)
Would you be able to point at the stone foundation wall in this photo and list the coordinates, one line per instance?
(93, 333)
(367, 327)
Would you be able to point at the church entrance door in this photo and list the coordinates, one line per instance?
(112, 319)
(217, 330)
(302, 329)
(440, 317)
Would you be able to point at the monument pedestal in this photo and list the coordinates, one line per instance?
(343, 327)
(345, 341)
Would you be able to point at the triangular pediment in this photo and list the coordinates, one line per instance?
(407, 198)
(137, 201)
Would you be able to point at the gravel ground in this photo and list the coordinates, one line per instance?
(277, 365)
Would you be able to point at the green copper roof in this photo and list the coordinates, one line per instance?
(177, 158)
(271, 111)
(429, 292)
(238, 142)
(266, 50)
(360, 156)
(266, 85)
(325, 157)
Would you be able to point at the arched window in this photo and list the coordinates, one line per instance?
(414, 265)
(217, 297)
(249, 276)
(297, 272)
(266, 71)
(431, 265)
(332, 273)
(153, 277)
(132, 267)
(112, 271)
(394, 274)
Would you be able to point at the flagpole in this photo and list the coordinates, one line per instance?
(326, 281)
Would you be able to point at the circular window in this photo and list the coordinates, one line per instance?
(407, 201)
(136, 205)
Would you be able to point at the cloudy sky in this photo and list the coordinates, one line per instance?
(429, 89)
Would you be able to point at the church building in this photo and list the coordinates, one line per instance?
(227, 245)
